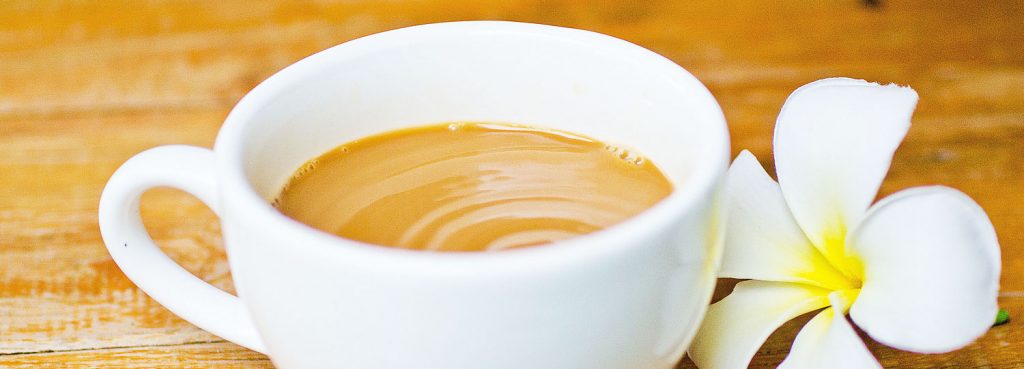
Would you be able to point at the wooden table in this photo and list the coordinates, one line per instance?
(83, 86)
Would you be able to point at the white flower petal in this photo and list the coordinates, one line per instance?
(736, 327)
(762, 240)
(828, 341)
(931, 270)
(834, 141)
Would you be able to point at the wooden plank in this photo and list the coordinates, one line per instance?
(85, 85)
(186, 356)
(60, 289)
(62, 56)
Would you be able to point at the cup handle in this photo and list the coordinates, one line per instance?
(190, 169)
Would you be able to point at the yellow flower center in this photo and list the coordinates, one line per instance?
(840, 271)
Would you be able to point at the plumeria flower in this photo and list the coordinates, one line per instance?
(918, 270)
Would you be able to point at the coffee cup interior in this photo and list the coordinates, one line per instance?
(503, 72)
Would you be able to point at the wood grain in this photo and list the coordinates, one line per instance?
(187, 356)
(84, 85)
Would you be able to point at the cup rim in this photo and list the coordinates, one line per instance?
(230, 148)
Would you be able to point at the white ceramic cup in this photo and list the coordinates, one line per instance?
(627, 297)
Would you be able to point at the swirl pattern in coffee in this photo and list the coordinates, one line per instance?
(471, 187)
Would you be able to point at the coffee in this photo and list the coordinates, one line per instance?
(471, 187)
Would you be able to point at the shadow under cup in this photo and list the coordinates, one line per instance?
(630, 296)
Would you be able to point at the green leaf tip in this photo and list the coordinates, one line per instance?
(1002, 317)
